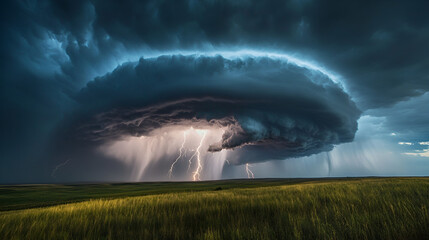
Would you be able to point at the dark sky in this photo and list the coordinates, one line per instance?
(334, 85)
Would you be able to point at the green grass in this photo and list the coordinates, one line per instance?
(16, 197)
(372, 208)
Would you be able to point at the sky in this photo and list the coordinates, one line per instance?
(203, 90)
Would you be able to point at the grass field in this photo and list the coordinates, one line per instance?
(368, 208)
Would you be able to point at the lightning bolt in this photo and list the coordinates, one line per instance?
(58, 167)
(249, 172)
(170, 172)
(190, 159)
(197, 171)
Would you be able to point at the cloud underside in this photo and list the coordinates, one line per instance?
(268, 108)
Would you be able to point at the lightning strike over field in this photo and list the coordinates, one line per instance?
(249, 172)
(170, 172)
(58, 167)
(190, 159)
(197, 171)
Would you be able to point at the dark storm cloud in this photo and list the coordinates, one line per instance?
(373, 44)
(50, 50)
(408, 119)
(267, 104)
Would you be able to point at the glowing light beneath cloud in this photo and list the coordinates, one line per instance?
(197, 171)
(163, 151)
(170, 172)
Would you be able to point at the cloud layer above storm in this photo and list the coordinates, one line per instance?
(94, 70)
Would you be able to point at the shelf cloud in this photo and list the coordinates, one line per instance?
(265, 105)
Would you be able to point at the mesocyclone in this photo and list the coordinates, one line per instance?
(267, 106)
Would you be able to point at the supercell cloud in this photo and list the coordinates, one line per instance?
(265, 105)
